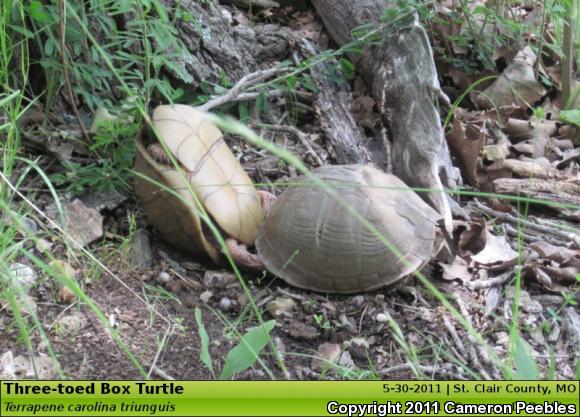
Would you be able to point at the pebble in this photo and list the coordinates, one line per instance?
(358, 300)
(382, 318)
(68, 326)
(298, 329)
(219, 279)
(83, 224)
(65, 295)
(164, 277)
(328, 352)
(346, 360)
(205, 296)
(225, 304)
(281, 305)
(141, 254)
(24, 274)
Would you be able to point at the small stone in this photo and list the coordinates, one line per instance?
(328, 353)
(219, 279)
(205, 296)
(141, 255)
(83, 224)
(281, 305)
(29, 225)
(26, 304)
(37, 367)
(7, 367)
(65, 295)
(382, 318)
(68, 326)
(346, 360)
(164, 277)
(358, 300)
(25, 275)
(225, 304)
(104, 200)
(358, 347)
(347, 322)
(300, 330)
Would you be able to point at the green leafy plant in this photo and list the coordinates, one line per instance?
(322, 322)
(245, 354)
(114, 141)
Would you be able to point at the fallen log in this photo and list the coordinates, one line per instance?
(398, 66)
(562, 192)
(334, 110)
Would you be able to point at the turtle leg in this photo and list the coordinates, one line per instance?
(158, 154)
(266, 199)
(242, 256)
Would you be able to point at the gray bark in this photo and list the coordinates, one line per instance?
(217, 47)
(334, 109)
(401, 73)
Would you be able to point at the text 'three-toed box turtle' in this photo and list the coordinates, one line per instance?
(215, 177)
(311, 241)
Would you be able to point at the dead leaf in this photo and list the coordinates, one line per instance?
(554, 253)
(515, 87)
(496, 152)
(497, 254)
(472, 240)
(466, 139)
(457, 270)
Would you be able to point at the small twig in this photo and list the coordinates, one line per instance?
(453, 332)
(162, 344)
(245, 82)
(532, 237)
(361, 319)
(300, 135)
(490, 282)
(161, 373)
(479, 351)
(531, 225)
(289, 294)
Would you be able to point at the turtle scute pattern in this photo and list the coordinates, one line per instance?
(312, 241)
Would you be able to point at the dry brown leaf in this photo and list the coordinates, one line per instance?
(515, 87)
(457, 270)
(552, 252)
(472, 239)
(497, 254)
(496, 152)
(466, 139)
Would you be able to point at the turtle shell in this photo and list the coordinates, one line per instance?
(210, 170)
(312, 241)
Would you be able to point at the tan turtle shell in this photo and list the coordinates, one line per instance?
(214, 174)
(313, 242)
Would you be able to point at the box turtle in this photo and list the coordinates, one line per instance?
(211, 171)
(311, 241)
